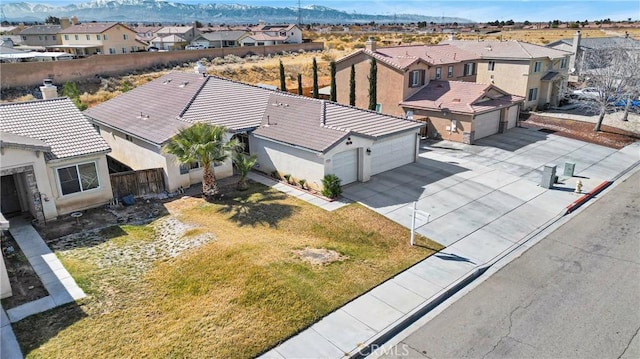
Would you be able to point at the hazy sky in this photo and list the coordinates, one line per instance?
(480, 10)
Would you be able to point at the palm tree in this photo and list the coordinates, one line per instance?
(244, 164)
(202, 143)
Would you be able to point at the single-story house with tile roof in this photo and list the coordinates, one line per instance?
(53, 160)
(304, 137)
(463, 111)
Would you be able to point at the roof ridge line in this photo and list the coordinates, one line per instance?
(193, 98)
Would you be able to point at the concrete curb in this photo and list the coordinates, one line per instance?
(580, 201)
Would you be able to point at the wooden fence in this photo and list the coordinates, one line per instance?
(138, 183)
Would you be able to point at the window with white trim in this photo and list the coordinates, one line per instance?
(533, 94)
(88, 37)
(416, 78)
(77, 37)
(104, 37)
(438, 73)
(112, 50)
(98, 37)
(78, 178)
(537, 66)
(563, 63)
(125, 37)
(378, 107)
(410, 114)
(450, 71)
(491, 65)
(66, 37)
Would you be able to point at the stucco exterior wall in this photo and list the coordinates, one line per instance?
(364, 160)
(510, 76)
(437, 125)
(5, 286)
(13, 158)
(299, 163)
(81, 200)
(115, 40)
(41, 40)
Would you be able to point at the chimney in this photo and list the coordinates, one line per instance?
(64, 22)
(48, 89)
(575, 45)
(74, 20)
(371, 45)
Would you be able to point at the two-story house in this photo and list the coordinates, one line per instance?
(402, 71)
(537, 73)
(41, 35)
(188, 33)
(99, 38)
(218, 39)
(266, 35)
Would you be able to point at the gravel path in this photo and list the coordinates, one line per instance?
(611, 119)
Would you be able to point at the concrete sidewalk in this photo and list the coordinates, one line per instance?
(483, 211)
(61, 287)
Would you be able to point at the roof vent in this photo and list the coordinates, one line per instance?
(143, 116)
(456, 100)
(166, 81)
(184, 84)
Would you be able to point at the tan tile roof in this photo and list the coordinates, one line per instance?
(41, 30)
(507, 49)
(296, 120)
(91, 28)
(57, 122)
(151, 111)
(402, 57)
(459, 96)
(266, 37)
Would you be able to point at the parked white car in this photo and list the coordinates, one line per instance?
(587, 93)
(195, 47)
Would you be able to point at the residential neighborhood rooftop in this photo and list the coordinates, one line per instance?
(57, 123)
(402, 57)
(42, 30)
(459, 96)
(506, 49)
(90, 28)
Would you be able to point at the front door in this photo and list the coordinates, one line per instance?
(9, 197)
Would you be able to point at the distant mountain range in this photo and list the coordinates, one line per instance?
(174, 12)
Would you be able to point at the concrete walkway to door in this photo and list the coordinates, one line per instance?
(484, 200)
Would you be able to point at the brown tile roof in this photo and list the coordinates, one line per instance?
(402, 57)
(459, 96)
(319, 125)
(506, 49)
(151, 111)
(300, 121)
(56, 122)
(91, 28)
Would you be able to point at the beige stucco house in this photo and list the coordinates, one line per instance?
(53, 162)
(537, 73)
(99, 38)
(463, 111)
(41, 35)
(402, 71)
(303, 137)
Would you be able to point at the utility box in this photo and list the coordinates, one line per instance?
(548, 176)
(569, 168)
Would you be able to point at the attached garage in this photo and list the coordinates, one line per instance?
(345, 166)
(392, 152)
(486, 124)
(512, 116)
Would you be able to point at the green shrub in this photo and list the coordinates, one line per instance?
(331, 186)
(302, 182)
(288, 178)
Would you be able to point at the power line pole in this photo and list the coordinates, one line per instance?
(299, 14)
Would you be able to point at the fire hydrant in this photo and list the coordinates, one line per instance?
(578, 186)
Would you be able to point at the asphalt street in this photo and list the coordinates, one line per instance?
(575, 294)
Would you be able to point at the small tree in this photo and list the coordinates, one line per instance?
(52, 20)
(315, 78)
(373, 85)
(352, 86)
(283, 82)
(244, 164)
(202, 143)
(300, 84)
(332, 66)
(70, 90)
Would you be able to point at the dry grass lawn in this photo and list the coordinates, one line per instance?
(234, 297)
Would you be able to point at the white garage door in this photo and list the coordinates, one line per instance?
(512, 116)
(486, 124)
(345, 166)
(389, 153)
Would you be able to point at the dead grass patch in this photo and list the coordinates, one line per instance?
(234, 297)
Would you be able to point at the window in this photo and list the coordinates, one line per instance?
(24, 37)
(450, 71)
(124, 50)
(104, 37)
(98, 37)
(78, 178)
(410, 114)
(88, 36)
(563, 63)
(186, 167)
(112, 51)
(492, 65)
(125, 37)
(469, 69)
(416, 78)
(438, 73)
(97, 128)
(533, 94)
(66, 37)
(40, 37)
(378, 107)
(537, 67)
(77, 37)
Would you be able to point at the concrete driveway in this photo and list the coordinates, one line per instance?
(489, 192)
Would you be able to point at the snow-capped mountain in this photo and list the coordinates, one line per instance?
(175, 12)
